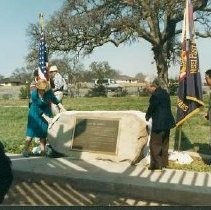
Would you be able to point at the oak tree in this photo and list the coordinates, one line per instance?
(82, 25)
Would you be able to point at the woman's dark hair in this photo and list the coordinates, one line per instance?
(208, 72)
(156, 82)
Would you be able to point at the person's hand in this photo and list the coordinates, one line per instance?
(62, 109)
(47, 118)
(54, 119)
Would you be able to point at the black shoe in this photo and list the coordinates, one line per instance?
(25, 153)
(155, 169)
(133, 163)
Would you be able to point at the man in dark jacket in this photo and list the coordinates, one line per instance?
(162, 121)
(6, 175)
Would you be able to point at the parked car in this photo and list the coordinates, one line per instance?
(109, 84)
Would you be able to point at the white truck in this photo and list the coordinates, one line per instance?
(110, 84)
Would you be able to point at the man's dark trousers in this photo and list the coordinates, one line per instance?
(159, 144)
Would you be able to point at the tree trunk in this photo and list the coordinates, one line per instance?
(162, 65)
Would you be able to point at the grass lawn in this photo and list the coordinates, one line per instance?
(195, 131)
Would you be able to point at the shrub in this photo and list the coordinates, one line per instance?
(120, 93)
(173, 86)
(98, 91)
(24, 92)
(6, 96)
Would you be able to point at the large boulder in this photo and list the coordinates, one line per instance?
(114, 135)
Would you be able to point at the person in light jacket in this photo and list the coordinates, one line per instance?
(57, 85)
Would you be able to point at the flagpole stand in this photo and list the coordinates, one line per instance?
(179, 137)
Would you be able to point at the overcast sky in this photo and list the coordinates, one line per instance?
(16, 15)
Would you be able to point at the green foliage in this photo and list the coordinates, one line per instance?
(22, 75)
(195, 131)
(173, 86)
(98, 91)
(143, 92)
(102, 70)
(198, 164)
(120, 93)
(140, 77)
(24, 92)
(6, 96)
(13, 123)
(119, 23)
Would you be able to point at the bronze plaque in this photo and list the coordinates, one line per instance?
(96, 135)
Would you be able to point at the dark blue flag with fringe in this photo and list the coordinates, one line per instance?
(190, 97)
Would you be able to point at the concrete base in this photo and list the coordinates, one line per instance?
(169, 186)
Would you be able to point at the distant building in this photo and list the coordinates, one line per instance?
(9, 82)
(126, 79)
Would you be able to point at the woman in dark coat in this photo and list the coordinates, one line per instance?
(40, 114)
(162, 121)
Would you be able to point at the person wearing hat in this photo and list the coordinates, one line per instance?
(159, 111)
(57, 84)
(39, 115)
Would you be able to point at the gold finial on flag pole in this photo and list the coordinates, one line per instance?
(41, 21)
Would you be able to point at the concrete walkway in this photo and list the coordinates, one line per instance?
(168, 186)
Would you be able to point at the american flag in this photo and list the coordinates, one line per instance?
(43, 58)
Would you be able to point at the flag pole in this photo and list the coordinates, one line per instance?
(41, 21)
(43, 49)
(190, 88)
(179, 137)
